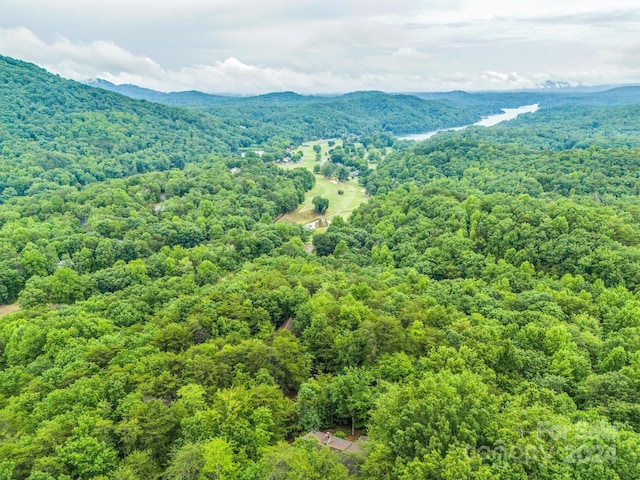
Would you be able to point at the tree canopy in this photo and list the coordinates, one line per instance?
(477, 317)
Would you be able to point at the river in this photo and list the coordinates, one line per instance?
(490, 121)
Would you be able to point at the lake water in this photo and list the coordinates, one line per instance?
(490, 121)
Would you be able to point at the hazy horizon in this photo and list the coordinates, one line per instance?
(550, 89)
(331, 47)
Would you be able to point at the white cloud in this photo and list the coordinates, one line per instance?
(72, 59)
(251, 46)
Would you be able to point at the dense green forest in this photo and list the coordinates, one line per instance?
(304, 117)
(363, 113)
(477, 318)
(583, 126)
(56, 132)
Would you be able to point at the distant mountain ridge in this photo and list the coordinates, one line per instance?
(186, 98)
(303, 117)
(550, 93)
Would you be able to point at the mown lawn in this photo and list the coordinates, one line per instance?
(342, 205)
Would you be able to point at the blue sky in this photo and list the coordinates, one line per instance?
(253, 46)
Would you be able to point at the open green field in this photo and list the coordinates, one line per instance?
(342, 205)
(309, 158)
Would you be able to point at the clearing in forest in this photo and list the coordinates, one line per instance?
(342, 205)
(7, 309)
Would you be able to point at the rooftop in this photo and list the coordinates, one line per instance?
(335, 443)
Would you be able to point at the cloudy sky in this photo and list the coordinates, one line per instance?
(328, 46)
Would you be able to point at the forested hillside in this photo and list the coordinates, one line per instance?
(301, 117)
(477, 318)
(550, 97)
(57, 132)
(582, 126)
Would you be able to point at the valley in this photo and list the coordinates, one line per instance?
(341, 204)
(165, 313)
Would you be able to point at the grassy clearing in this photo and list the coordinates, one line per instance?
(309, 158)
(7, 309)
(342, 205)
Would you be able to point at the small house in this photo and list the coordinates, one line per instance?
(334, 443)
